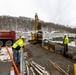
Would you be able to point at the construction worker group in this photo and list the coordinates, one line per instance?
(20, 43)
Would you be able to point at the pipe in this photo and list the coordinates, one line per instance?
(43, 68)
(59, 68)
(27, 69)
(33, 73)
(21, 63)
(36, 69)
(43, 71)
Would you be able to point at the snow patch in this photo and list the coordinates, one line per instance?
(4, 56)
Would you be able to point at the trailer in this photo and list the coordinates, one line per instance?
(7, 37)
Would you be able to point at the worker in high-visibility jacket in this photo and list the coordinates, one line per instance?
(16, 48)
(65, 43)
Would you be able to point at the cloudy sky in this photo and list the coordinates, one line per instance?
(57, 11)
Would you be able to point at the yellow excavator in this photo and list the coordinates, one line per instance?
(36, 37)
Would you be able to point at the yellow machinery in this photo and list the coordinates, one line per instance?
(35, 23)
(36, 37)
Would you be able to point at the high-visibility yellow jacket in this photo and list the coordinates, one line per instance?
(65, 40)
(18, 44)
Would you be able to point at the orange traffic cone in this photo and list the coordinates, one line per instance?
(12, 71)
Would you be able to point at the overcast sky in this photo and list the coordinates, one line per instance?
(57, 11)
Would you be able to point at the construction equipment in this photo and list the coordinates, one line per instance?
(36, 37)
(7, 37)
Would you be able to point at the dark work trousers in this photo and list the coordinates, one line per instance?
(65, 49)
(16, 56)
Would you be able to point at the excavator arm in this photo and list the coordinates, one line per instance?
(35, 23)
(37, 35)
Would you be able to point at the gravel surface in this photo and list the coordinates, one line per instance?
(41, 56)
(5, 68)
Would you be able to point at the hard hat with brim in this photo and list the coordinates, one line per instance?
(65, 34)
(22, 37)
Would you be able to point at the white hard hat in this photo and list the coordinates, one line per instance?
(65, 34)
(22, 36)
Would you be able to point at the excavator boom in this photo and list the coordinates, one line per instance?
(35, 23)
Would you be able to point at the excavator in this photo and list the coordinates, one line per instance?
(36, 37)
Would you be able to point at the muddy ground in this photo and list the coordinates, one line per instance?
(41, 56)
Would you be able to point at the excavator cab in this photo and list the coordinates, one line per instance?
(39, 36)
